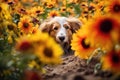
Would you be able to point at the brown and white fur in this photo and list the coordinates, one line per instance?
(61, 29)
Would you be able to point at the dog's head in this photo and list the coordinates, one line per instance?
(61, 29)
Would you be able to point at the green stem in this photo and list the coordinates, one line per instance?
(97, 51)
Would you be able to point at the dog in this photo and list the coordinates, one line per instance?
(61, 29)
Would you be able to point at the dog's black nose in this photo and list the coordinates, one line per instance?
(61, 38)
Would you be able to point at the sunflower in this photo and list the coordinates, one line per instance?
(12, 31)
(48, 51)
(11, 26)
(84, 5)
(111, 61)
(22, 11)
(50, 4)
(50, 54)
(82, 48)
(63, 9)
(104, 31)
(31, 12)
(39, 10)
(114, 7)
(41, 45)
(36, 11)
(28, 43)
(85, 13)
(25, 25)
(35, 29)
(24, 45)
(53, 13)
(92, 7)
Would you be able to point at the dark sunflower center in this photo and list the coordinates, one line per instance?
(106, 26)
(116, 8)
(84, 45)
(48, 52)
(83, 5)
(91, 8)
(10, 27)
(22, 10)
(54, 15)
(26, 25)
(115, 58)
(38, 11)
(63, 9)
(0, 9)
(25, 46)
(6, 0)
(85, 12)
(50, 5)
(10, 3)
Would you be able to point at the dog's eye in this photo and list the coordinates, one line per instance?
(55, 28)
(66, 27)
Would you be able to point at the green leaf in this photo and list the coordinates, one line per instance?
(16, 18)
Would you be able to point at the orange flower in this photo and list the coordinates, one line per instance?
(104, 31)
(36, 11)
(92, 7)
(63, 9)
(39, 10)
(111, 61)
(24, 45)
(35, 29)
(114, 6)
(31, 75)
(82, 48)
(25, 25)
(85, 13)
(53, 13)
(50, 4)
(84, 5)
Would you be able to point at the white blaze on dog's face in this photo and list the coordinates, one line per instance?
(62, 33)
(61, 29)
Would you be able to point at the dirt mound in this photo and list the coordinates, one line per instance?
(74, 68)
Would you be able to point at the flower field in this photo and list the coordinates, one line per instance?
(25, 51)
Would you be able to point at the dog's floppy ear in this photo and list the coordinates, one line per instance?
(45, 26)
(74, 23)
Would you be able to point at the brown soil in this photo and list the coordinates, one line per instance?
(74, 68)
